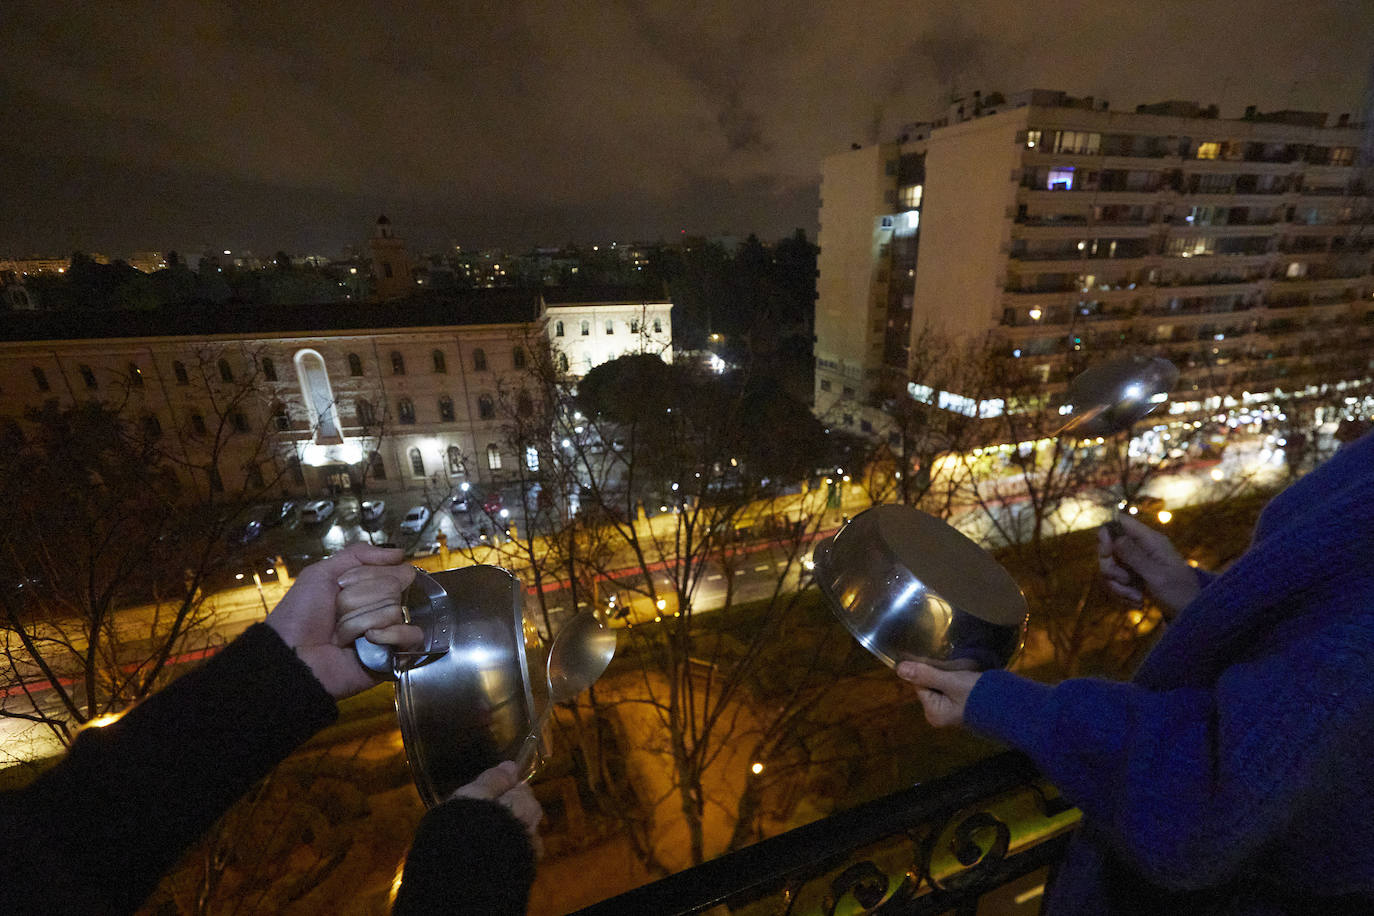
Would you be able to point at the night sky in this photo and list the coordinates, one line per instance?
(288, 124)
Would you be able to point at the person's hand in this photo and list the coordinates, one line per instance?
(943, 693)
(502, 785)
(357, 591)
(1140, 555)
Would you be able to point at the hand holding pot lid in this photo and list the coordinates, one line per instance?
(909, 586)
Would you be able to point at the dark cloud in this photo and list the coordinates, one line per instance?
(286, 124)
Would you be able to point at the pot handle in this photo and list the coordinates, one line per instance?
(423, 601)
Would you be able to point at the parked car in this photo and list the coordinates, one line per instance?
(317, 511)
(281, 514)
(492, 503)
(372, 509)
(246, 533)
(415, 519)
(459, 503)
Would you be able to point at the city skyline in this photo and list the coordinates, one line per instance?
(168, 127)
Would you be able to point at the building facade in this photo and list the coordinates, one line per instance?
(588, 329)
(1055, 230)
(304, 401)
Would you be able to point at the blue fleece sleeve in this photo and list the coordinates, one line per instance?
(1188, 784)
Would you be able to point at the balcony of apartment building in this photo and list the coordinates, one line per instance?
(986, 832)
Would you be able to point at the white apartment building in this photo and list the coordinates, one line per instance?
(1056, 229)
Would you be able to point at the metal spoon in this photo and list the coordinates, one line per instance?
(578, 656)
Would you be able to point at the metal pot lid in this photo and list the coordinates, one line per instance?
(464, 703)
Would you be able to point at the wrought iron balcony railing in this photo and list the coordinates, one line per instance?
(933, 848)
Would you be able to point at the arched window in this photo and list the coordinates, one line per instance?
(88, 376)
(367, 414)
(179, 370)
(280, 417)
(610, 326)
(523, 405)
(319, 395)
(455, 460)
(355, 364)
(446, 408)
(517, 357)
(269, 369)
(226, 373)
(405, 410)
(378, 467)
(493, 457)
(658, 325)
(558, 329)
(398, 363)
(40, 378)
(417, 463)
(486, 408)
(440, 364)
(198, 424)
(586, 328)
(479, 360)
(562, 362)
(634, 325)
(135, 376)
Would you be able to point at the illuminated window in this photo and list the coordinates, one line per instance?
(1060, 179)
(493, 457)
(1077, 141)
(1032, 139)
(1209, 150)
(531, 458)
(319, 394)
(1342, 155)
(910, 196)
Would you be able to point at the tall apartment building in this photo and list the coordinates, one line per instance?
(1054, 229)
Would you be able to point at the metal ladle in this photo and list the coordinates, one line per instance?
(578, 656)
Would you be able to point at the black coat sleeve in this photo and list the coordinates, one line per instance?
(96, 833)
(469, 856)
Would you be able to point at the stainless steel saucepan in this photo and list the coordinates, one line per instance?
(463, 701)
(907, 585)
